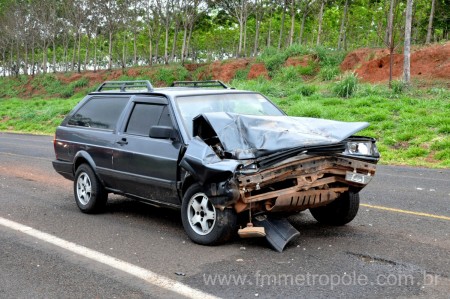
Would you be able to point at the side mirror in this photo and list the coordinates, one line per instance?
(161, 132)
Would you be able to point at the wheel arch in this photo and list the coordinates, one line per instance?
(83, 157)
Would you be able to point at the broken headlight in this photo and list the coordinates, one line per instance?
(361, 147)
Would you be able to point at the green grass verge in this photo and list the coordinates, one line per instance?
(412, 127)
(36, 116)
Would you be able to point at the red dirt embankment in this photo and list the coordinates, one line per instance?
(372, 65)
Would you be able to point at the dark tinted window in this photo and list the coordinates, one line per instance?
(101, 113)
(144, 116)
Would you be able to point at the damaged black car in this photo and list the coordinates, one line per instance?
(214, 153)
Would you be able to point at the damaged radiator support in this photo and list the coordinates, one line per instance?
(304, 199)
(313, 182)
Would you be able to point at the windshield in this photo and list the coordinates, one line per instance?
(241, 103)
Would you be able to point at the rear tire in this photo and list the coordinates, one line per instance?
(339, 212)
(203, 223)
(90, 195)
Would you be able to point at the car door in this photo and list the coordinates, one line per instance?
(147, 167)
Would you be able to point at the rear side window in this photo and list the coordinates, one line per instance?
(101, 113)
(144, 116)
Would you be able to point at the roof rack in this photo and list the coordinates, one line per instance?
(124, 85)
(206, 83)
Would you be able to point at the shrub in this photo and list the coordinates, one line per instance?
(288, 74)
(306, 90)
(398, 86)
(328, 72)
(346, 86)
(169, 75)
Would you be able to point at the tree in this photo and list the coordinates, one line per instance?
(304, 9)
(283, 17)
(240, 9)
(259, 9)
(111, 11)
(343, 26)
(319, 30)
(430, 23)
(407, 48)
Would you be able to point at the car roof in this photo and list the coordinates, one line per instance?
(178, 88)
(174, 91)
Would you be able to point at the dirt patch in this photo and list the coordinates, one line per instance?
(426, 63)
(300, 61)
(258, 70)
(358, 57)
(69, 78)
(225, 71)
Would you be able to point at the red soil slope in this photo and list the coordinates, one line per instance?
(373, 65)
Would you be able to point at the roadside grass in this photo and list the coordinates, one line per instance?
(411, 128)
(36, 116)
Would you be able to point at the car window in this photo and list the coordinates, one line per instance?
(144, 116)
(99, 112)
(245, 103)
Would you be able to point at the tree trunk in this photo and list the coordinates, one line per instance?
(44, 58)
(343, 26)
(166, 45)
(183, 45)
(150, 46)
(78, 54)
(189, 38)
(241, 38)
(407, 47)
(391, 40)
(270, 28)
(32, 58)
(256, 44)
(95, 54)
(283, 17)
(174, 44)
(18, 59)
(291, 32)
(134, 48)
(124, 54)
(430, 23)
(157, 45)
(302, 27)
(54, 55)
(74, 51)
(25, 69)
(86, 56)
(245, 39)
(319, 31)
(110, 50)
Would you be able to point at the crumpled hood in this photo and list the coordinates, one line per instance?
(250, 136)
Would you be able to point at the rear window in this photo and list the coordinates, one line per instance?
(101, 113)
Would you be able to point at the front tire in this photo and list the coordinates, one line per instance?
(339, 212)
(90, 195)
(203, 223)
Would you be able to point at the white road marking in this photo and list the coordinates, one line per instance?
(148, 276)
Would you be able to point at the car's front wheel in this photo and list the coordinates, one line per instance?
(203, 223)
(339, 212)
(90, 195)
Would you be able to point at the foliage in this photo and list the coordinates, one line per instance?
(346, 86)
(328, 73)
(398, 86)
(171, 74)
(411, 128)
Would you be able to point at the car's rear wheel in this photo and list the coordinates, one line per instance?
(339, 212)
(90, 195)
(203, 223)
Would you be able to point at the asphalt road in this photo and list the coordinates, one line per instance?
(397, 247)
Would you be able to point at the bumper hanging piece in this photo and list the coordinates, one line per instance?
(251, 231)
(279, 232)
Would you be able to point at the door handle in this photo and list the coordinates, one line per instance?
(123, 141)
